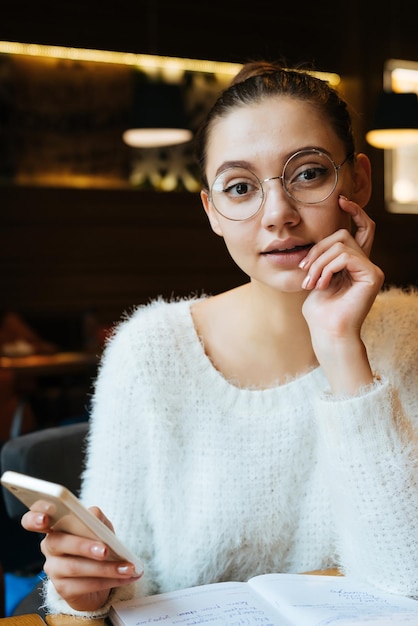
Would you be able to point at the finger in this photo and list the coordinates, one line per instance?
(102, 517)
(337, 258)
(336, 267)
(70, 588)
(36, 521)
(75, 566)
(85, 592)
(341, 236)
(325, 251)
(57, 545)
(365, 226)
(331, 262)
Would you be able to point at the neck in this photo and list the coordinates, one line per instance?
(254, 336)
(280, 313)
(277, 333)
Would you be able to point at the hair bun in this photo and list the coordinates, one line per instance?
(257, 68)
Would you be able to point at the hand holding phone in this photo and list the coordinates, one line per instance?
(67, 513)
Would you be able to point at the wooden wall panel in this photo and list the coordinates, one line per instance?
(72, 250)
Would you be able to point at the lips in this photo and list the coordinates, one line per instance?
(287, 249)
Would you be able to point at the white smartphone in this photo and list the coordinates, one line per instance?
(68, 514)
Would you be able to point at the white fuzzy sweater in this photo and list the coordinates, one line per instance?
(208, 482)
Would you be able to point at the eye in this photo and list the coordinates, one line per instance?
(240, 188)
(311, 173)
(236, 185)
(308, 174)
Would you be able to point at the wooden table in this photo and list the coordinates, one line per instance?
(60, 363)
(34, 366)
(71, 620)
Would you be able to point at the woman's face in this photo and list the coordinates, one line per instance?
(269, 246)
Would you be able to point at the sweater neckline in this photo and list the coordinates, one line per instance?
(313, 376)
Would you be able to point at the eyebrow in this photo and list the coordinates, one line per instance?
(227, 164)
(246, 164)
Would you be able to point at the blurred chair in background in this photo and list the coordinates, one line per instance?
(55, 454)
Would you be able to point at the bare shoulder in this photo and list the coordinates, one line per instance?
(218, 321)
(219, 310)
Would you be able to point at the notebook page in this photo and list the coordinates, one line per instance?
(219, 604)
(309, 600)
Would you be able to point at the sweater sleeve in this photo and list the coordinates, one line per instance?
(370, 445)
(115, 477)
(371, 459)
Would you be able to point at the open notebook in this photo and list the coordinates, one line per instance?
(271, 600)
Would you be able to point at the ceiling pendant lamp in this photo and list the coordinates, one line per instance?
(158, 116)
(396, 121)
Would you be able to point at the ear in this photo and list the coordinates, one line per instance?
(211, 213)
(362, 180)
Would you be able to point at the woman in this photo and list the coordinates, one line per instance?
(271, 427)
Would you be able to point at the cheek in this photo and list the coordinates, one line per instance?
(331, 220)
(343, 220)
(239, 239)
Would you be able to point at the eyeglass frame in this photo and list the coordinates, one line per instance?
(281, 178)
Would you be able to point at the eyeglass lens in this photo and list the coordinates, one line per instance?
(308, 177)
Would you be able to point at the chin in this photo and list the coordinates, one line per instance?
(290, 284)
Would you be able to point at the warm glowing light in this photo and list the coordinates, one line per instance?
(170, 66)
(404, 191)
(154, 137)
(147, 62)
(404, 78)
(389, 138)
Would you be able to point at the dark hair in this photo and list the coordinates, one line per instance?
(260, 79)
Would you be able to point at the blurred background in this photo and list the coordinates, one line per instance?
(83, 227)
(91, 226)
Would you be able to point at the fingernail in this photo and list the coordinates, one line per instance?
(302, 264)
(306, 282)
(40, 519)
(98, 550)
(343, 197)
(127, 569)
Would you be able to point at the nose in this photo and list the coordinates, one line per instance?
(278, 208)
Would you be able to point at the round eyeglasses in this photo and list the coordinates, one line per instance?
(308, 176)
